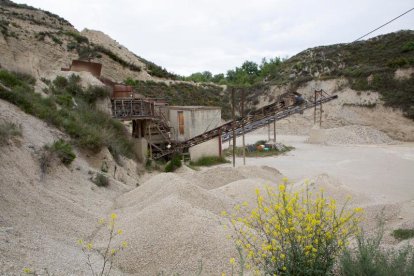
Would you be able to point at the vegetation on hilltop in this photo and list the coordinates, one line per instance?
(10, 4)
(249, 73)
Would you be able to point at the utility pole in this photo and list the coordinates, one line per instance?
(233, 126)
(268, 131)
(320, 116)
(274, 130)
(242, 114)
(314, 110)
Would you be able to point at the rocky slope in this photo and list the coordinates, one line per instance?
(36, 42)
(42, 216)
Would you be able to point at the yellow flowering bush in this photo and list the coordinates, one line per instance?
(109, 252)
(292, 233)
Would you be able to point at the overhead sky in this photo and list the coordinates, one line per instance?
(187, 36)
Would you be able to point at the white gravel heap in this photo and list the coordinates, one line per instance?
(348, 135)
(173, 221)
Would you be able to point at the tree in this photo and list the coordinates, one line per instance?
(250, 68)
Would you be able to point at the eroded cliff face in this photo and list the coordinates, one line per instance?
(37, 42)
(26, 41)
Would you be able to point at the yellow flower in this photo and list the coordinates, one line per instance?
(358, 210)
(27, 270)
(80, 242)
(124, 244)
(282, 256)
(119, 231)
(89, 246)
(101, 221)
(285, 179)
(245, 204)
(113, 251)
(284, 268)
(223, 213)
(113, 216)
(223, 274)
(232, 261)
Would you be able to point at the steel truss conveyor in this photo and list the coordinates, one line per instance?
(283, 107)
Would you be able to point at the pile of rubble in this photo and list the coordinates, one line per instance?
(348, 135)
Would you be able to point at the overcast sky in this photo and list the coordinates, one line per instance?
(187, 36)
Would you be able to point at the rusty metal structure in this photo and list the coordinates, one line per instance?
(149, 120)
(80, 65)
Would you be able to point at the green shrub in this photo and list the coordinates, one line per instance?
(77, 36)
(7, 131)
(370, 258)
(209, 161)
(60, 150)
(9, 79)
(292, 233)
(173, 164)
(403, 234)
(101, 180)
(116, 58)
(409, 46)
(63, 151)
(90, 128)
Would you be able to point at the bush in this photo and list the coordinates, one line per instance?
(9, 79)
(369, 258)
(409, 46)
(59, 149)
(7, 131)
(101, 180)
(209, 161)
(403, 234)
(77, 36)
(293, 233)
(117, 58)
(63, 151)
(173, 164)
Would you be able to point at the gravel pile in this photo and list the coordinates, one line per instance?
(173, 220)
(348, 135)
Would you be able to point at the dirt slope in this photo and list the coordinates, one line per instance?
(41, 218)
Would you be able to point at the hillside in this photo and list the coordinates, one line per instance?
(373, 79)
(35, 42)
(66, 164)
(40, 43)
(384, 53)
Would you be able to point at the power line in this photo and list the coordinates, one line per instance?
(384, 25)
